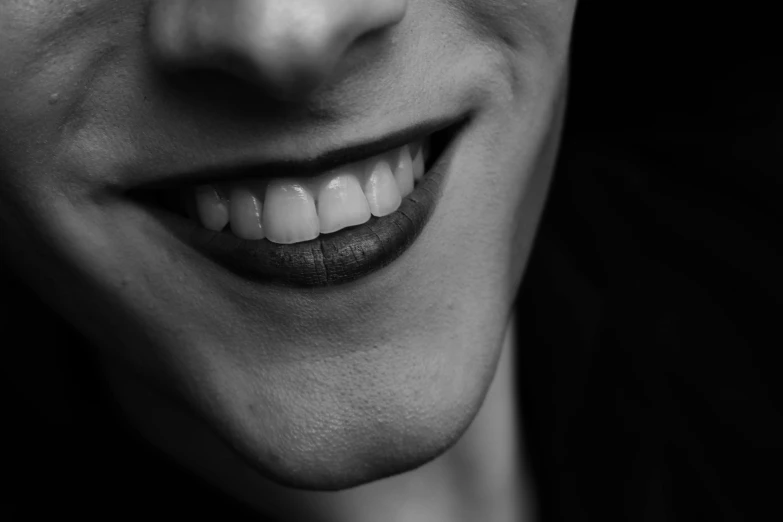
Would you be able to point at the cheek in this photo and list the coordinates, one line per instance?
(36, 63)
(500, 173)
(520, 24)
(49, 54)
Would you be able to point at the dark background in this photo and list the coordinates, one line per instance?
(654, 298)
(650, 310)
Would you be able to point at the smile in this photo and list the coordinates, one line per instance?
(315, 229)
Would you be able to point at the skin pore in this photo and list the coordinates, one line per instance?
(283, 387)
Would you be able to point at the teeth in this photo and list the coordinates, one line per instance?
(418, 164)
(341, 202)
(415, 148)
(380, 189)
(403, 171)
(246, 210)
(289, 212)
(212, 209)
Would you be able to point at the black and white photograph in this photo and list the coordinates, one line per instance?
(391, 260)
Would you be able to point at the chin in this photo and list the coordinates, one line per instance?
(331, 460)
(340, 423)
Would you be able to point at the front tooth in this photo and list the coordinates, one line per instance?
(289, 212)
(418, 165)
(381, 190)
(403, 171)
(416, 147)
(341, 202)
(245, 210)
(212, 209)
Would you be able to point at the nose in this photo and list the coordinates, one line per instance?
(290, 47)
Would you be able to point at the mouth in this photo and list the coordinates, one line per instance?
(316, 223)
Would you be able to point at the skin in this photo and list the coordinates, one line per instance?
(302, 389)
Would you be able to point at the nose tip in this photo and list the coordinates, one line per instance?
(290, 47)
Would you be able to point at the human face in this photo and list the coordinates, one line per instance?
(319, 380)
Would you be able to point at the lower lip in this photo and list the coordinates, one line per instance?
(330, 259)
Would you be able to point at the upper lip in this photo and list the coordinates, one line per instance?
(272, 167)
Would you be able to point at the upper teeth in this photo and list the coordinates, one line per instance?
(290, 210)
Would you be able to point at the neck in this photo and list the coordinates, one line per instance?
(482, 477)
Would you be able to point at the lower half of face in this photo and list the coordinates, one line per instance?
(321, 372)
